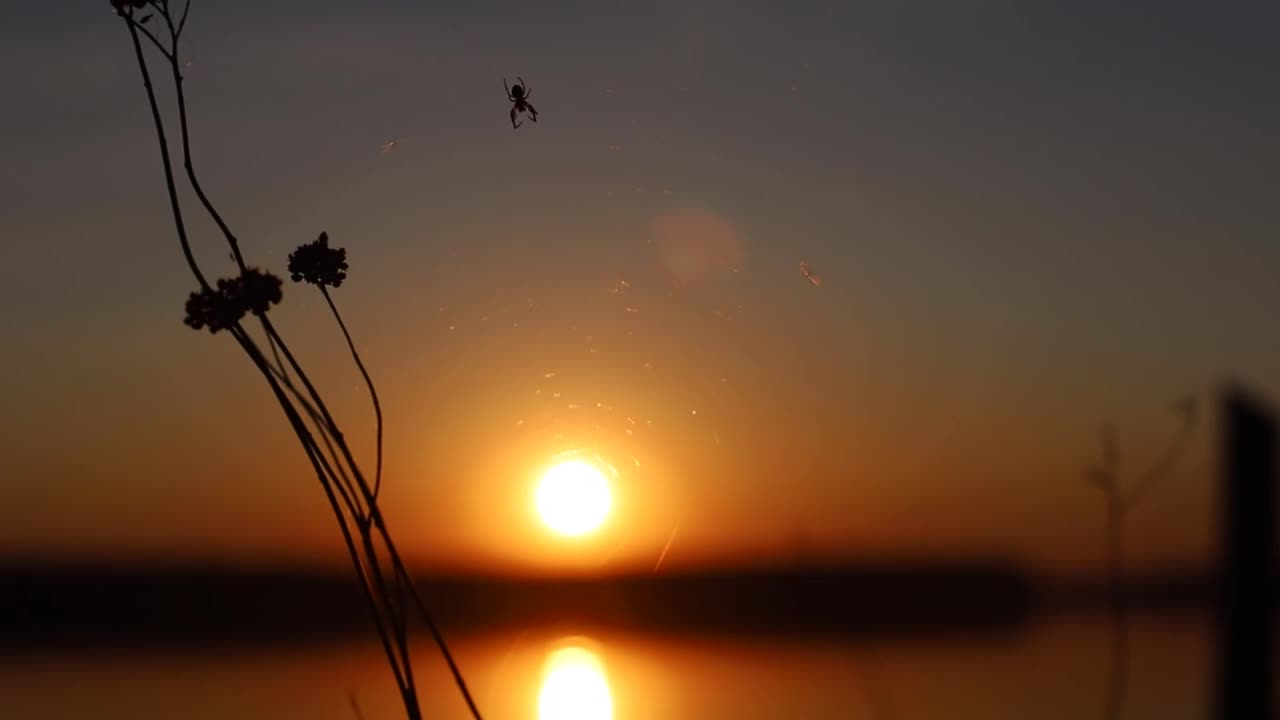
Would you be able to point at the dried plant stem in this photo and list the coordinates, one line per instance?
(324, 473)
(368, 381)
(304, 436)
(353, 502)
(378, 521)
(172, 187)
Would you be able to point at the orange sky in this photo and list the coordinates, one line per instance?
(815, 432)
(1016, 245)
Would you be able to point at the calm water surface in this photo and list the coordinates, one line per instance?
(1054, 669)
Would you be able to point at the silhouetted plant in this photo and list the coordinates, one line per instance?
(253, 292)
(224, 305)
(319, 264)
(324, 266)
(1119, 502)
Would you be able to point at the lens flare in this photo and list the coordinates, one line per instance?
(692, 243)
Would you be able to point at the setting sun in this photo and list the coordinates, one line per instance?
(573, 497)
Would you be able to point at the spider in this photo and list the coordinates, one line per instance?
(519, 94)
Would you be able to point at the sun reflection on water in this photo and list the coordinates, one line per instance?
(574, 686)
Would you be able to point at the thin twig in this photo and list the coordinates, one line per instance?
(154, 41)
(182, 23)
(281, 371)
(308, 443)
(437, 636)
(371, 501)
(179, 224)
(398, 623)
(189, 166)
(368, 381)
(346, 487)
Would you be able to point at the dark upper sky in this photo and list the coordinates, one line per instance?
(1029, 218)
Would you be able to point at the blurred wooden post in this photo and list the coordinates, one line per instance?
(1247, 560)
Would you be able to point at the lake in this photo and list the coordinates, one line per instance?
(1054, 668)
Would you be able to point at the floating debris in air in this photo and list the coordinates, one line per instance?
(808, 273)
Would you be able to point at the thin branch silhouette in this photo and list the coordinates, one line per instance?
(373, 391)
(325, 474)
(179, 224)
(153, 40)
(375, 517)
(316, 263)
(1119, 502)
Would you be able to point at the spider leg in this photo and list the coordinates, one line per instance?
(514, 124)
(522, 83)
(533, 114)
(527, 92)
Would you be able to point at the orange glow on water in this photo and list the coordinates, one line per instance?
(575, 686)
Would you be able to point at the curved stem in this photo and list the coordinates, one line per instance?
(182, 23)
(378, 521)
(154, 41)
(346, 487)
(397, 614)
(335, 471)
(372, 572)
(372, 503)
(368, 381)
(436, 635)
(189, 166)
(174, 205)
(329, 423)
(282, 372)
(308, 443)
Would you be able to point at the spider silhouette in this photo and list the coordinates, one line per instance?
(519, 94)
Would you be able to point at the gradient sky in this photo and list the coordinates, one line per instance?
(1030, 218)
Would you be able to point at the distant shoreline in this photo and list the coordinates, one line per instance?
(83, 607)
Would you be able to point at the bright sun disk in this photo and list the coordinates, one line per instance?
(573, 497)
